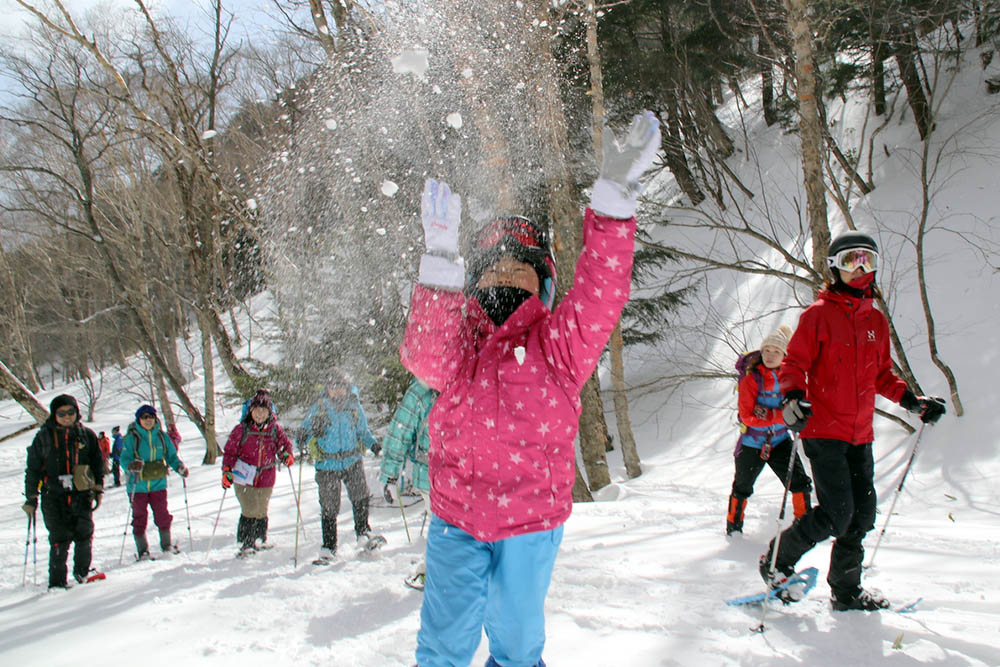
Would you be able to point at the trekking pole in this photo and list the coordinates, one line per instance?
(781, 516)
(187, 511)
(399, 495)
(128, 518)
(27, 540)
(298, 509)
(895, 496)
(217, 515)
(34, 549)
(295, 558)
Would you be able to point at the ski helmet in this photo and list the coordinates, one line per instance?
(851, 239)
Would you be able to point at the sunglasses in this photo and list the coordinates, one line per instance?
(521, 229)
(65, 413)
(853, 259)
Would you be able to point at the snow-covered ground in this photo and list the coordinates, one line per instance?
(643, 572)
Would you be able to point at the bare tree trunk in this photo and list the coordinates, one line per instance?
(810, 131)
(323, 33)
(878, 77)
(625, 436)
(19, 344)
(905, 52)
(922, 283)
(567, 229)
(163, 398)
(208, 367)
(581, 494)
(239, 376)
(13, 386)
(593, 443)
(767, 82)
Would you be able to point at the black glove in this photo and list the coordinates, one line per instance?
(796, 410)
(95, 499)
(376, 449)
(387, 491)
(135, 466)
(930, 408)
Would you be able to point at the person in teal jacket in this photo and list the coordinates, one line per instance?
(336, 429)
(146, 454)
(407, 439)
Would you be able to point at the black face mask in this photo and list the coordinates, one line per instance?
(500, 302)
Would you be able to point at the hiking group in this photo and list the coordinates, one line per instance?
(489, 420)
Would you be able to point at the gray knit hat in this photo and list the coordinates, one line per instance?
(778, 338)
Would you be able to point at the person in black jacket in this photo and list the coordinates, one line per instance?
(65, 465)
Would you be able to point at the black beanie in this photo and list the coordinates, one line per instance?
(61, 401)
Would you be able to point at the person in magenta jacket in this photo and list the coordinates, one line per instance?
(510, 370)
(838, 359)
(255, 448)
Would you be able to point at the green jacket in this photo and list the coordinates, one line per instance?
(407, 436)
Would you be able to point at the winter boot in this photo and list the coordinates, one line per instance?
(82, 557)
(861, 600)
(141, 547)
(793, 545)
(800, 503)
(245, 535)
(166, 544)
(260, 537)
(734, 519)
(58, 554)
(329, 525)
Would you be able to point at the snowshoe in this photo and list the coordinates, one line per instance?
(862, 601)
(326, 557)
(171, 550)
(245, 552)
(91, 576)
(779, 581)
(415, 581)
(263, 545)
(145, 555)
(370, 542)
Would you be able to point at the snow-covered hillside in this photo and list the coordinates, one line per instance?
(643, 572)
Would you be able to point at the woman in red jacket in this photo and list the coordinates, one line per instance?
(838, 359)
(256, 447)
(764, 438)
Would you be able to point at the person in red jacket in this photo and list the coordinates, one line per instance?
(838, 359)
(255, 448)
(764, 438)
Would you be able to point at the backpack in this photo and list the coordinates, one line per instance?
(747, 362)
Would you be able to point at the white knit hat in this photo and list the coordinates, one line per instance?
(778, 338)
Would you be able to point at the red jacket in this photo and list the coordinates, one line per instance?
(839, 355)
(265, 447)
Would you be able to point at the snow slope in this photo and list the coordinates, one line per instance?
(643, 572)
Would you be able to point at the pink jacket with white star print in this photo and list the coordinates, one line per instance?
(502, 430)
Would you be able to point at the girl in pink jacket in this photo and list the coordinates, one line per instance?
(510, 370)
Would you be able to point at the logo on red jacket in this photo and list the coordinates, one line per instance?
(871, 335)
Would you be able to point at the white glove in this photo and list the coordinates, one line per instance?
(441, 214)
(617, 187)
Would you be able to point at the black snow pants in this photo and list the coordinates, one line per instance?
(843, 475)
(749, 464)
(328, 482)
(69, 520)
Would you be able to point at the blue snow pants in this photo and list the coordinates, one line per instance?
(471, 584)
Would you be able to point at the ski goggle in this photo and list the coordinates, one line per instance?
(853, 259)
(520, 229)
